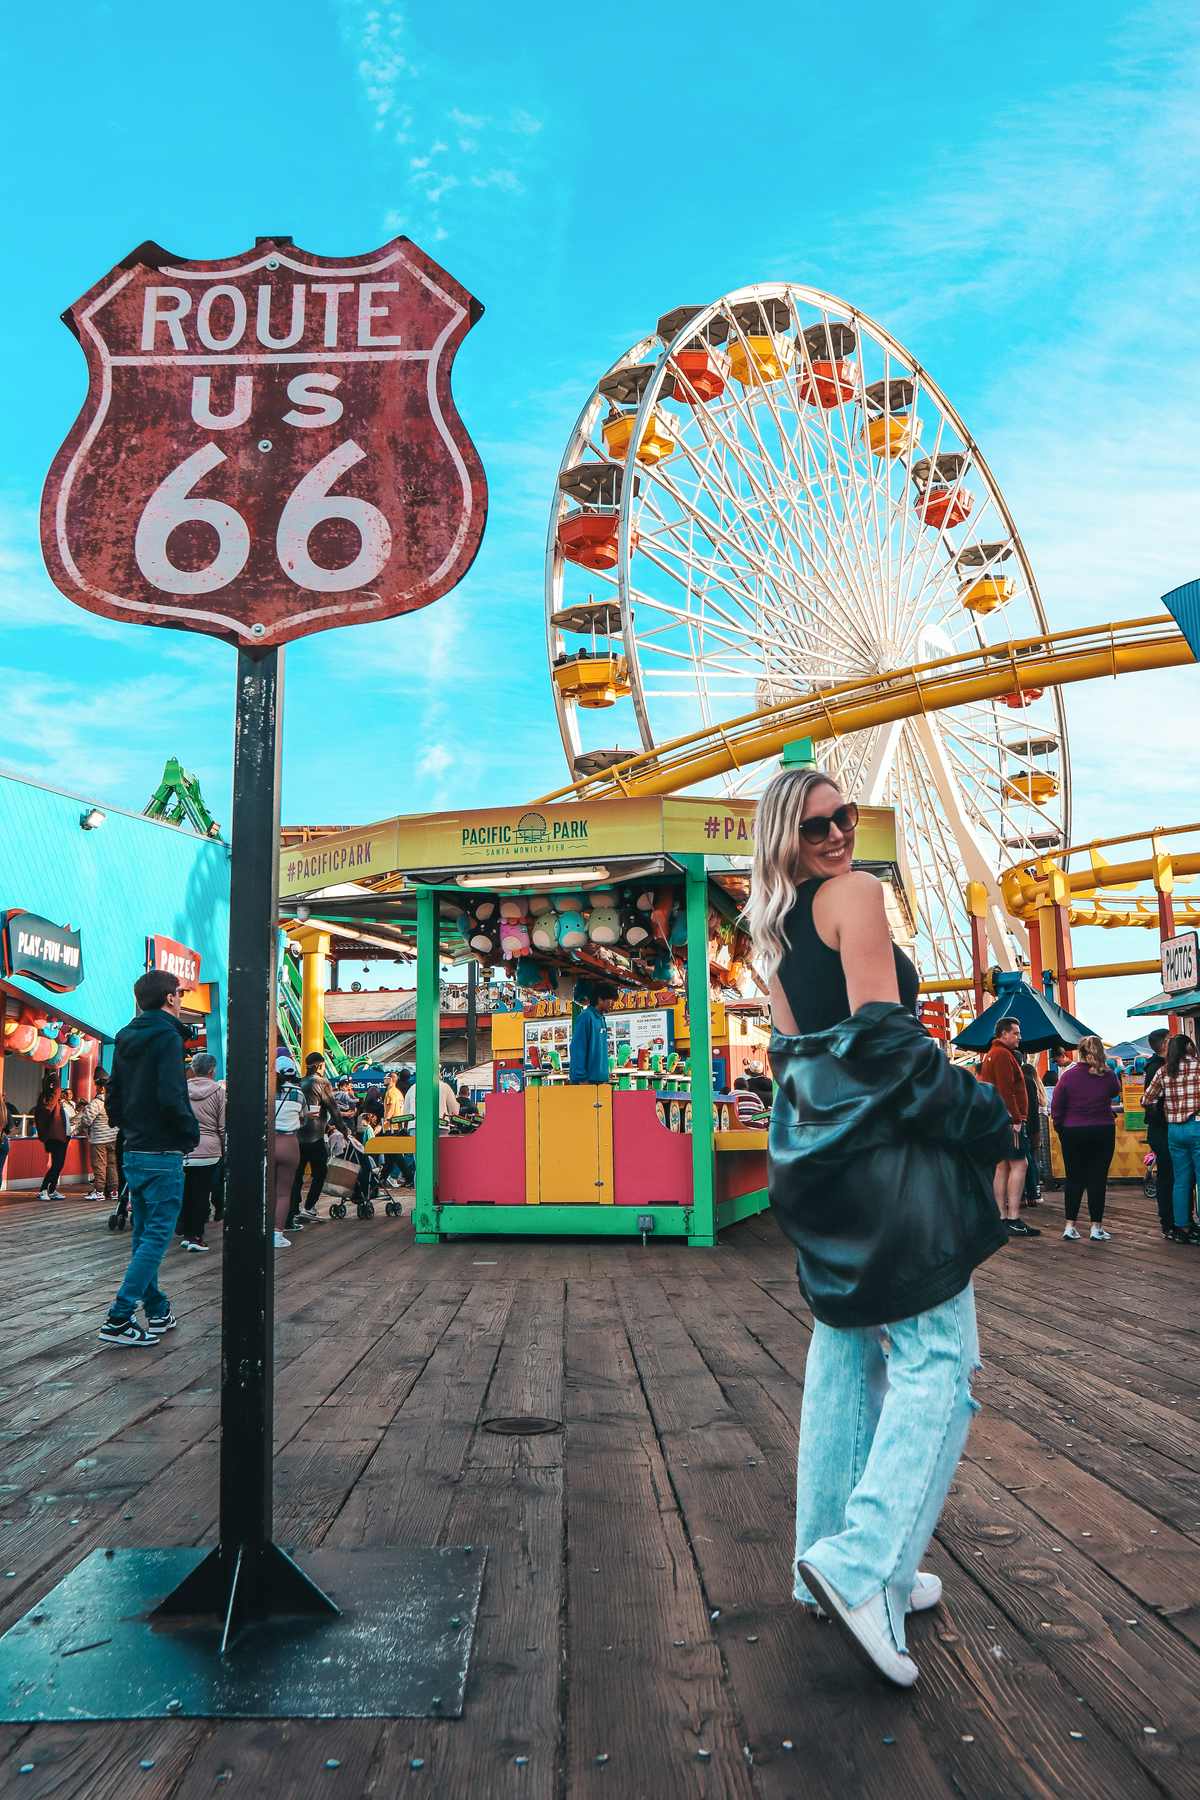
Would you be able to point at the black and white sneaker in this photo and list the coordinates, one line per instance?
(156, 1327)
(125, 1333)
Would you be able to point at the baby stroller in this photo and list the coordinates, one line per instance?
(355, 1176)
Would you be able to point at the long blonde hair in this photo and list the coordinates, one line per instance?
(1092, 1051)
(777, 869)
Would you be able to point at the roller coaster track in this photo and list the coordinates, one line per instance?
(1056, 659)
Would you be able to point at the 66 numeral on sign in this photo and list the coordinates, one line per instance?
(308, 505)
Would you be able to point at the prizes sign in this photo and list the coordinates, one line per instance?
(269, 446)
(173, 959)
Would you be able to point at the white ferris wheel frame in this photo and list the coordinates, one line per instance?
(928, 750)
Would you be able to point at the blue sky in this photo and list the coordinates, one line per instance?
(1011, 190)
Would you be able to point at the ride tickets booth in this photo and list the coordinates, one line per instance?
(642, 893)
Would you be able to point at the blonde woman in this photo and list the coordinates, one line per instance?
(881, 1155)
(1082, 1110)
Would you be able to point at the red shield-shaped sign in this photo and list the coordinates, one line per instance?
(269, 445)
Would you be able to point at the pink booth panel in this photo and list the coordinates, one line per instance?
(486, 1168)
(651, 1165)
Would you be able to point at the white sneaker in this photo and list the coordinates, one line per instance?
(282, 1243)
(866, 1627)
(1071, 1233)
(926, 1591)
(93, 1195)
(1098, 1235)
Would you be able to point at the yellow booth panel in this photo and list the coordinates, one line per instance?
(508, 1034)
(1129, 1158)
(569, 1146)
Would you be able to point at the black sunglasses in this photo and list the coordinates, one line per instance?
(816, 830)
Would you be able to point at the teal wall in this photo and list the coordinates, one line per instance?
(116, 884)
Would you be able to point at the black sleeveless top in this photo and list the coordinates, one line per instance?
(811, 975)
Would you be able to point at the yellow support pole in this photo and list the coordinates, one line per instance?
(1102, 971)
(314, 952)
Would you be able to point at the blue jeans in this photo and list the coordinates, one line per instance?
(155, 1196)
(884, 1421)
(1183, 1141)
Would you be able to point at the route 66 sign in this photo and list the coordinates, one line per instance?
(269, 446)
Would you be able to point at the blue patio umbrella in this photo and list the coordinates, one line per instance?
(1043, 1024)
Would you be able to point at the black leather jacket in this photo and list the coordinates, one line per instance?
(881, 1160)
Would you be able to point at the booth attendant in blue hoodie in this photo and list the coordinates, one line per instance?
(148, 1103)
(589, 1035)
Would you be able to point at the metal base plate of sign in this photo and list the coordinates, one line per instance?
(399, 1648)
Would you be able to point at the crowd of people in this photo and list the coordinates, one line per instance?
(157, 1123)
(1081, 1100)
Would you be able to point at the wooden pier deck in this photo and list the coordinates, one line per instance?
(635, 1611)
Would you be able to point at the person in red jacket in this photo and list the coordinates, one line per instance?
(1001, 1068)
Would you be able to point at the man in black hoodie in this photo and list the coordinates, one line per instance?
(148, 1103)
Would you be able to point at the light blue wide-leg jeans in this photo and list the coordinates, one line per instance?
(884, 1422)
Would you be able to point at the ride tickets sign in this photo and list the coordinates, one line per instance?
(51, 955)
(269, 446)
(174, 959)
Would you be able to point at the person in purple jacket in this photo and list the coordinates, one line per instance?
(1082, 1111)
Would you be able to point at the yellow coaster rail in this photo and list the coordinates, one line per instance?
(989, 673)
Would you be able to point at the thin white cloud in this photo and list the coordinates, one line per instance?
(29, 601)
(416, 102)
(72, 731)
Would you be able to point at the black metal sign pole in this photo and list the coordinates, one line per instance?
(248, 1577)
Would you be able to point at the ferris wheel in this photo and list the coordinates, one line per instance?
(770, 496)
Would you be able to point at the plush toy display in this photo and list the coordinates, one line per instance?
(664, 901)
(635, 926)
(483, 932)
(662, 967)
(531, 976)
(604, 922)
(544, 931)
(539, 904)
(572, 932)
(677, 935)
(513, 907)
(514, 938)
